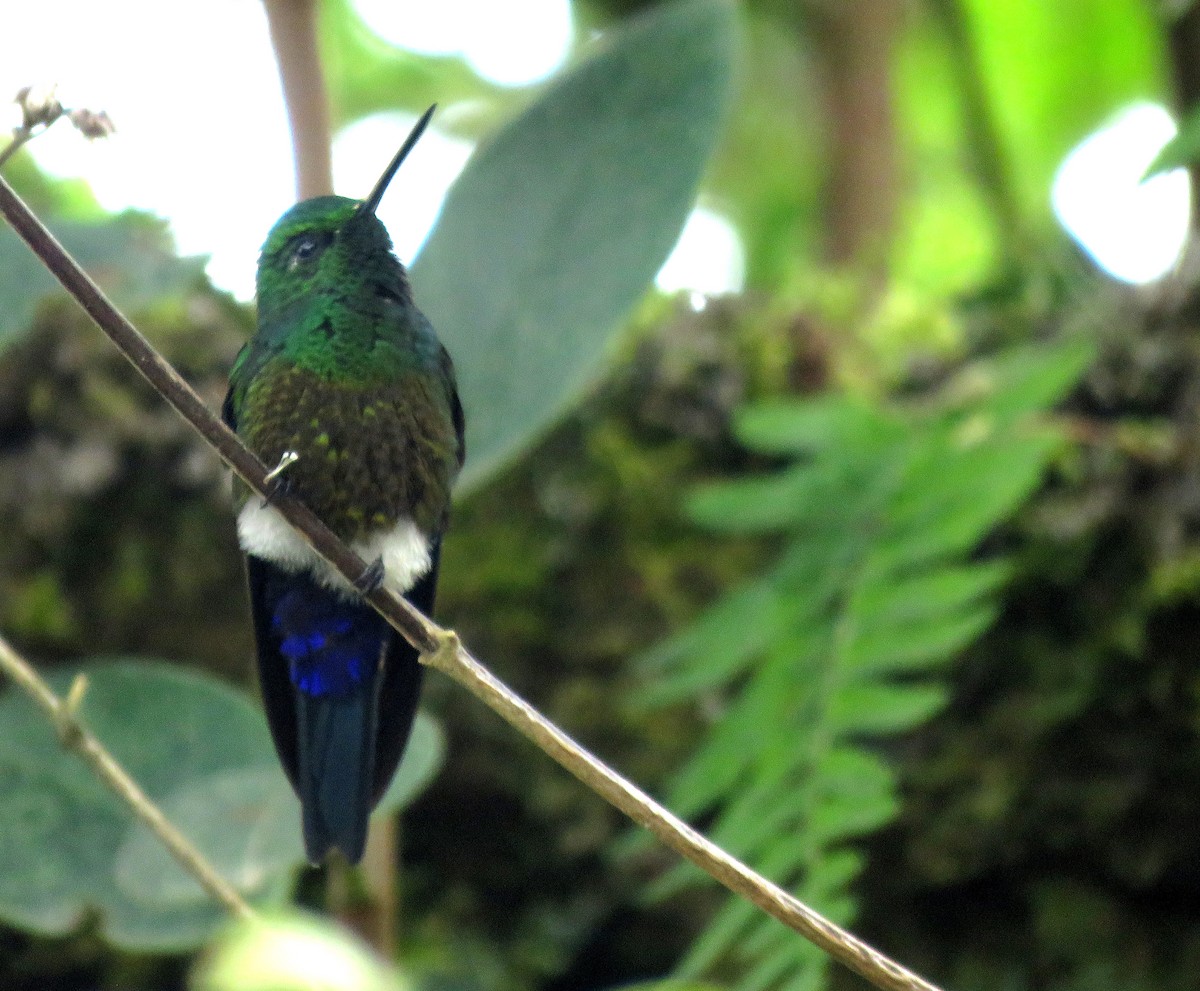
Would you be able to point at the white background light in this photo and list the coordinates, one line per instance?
(707, 258)
(513, 43)
(1134, 230)
(209, 150)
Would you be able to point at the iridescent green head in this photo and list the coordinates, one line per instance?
(333, 246)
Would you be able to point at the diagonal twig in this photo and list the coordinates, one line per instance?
(441, 648)
(77, 739)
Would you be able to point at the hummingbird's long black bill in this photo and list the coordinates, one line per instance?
(371, 203)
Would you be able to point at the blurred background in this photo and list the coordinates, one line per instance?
(870, 544)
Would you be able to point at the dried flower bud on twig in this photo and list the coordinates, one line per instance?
(39, 106)
(92, 124)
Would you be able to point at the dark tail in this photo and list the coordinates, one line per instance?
(333, 650)
(335, 767)
(340, 688)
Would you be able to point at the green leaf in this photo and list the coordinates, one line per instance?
(61, 831)
(1182, 150)
(732, 633)
(200, 749)
(729, 923)
(880, 708)
(830, 876)
(884, 598)
(898, 648)
(735, 740)
(423, 758)
(246, 823)
(769, 968)
(954, 498)
(761, 812)
(558, 224)
(823, 495)
(1022, 381)
(791, 427)
(852, 772)
(130, 256)
(762, 504)
(837, 818)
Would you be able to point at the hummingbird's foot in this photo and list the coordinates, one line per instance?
(277, 484)
(371, 578)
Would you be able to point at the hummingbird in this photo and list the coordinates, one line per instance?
(345, 387)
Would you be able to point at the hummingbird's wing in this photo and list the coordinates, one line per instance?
(228, 413)
(456, 410)
(401, 688)
(274, 684)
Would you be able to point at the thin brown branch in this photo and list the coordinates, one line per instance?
(843, 946)
(441, 648)
(854, 45)
(77, 739)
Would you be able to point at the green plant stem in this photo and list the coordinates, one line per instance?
(441, 648)
(985, 146)
(20, 136)
(76, 739)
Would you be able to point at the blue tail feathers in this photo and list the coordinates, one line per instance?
(340, 688)
(334, 649)
(332, 645)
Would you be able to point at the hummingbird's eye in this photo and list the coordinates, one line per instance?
(306, 249)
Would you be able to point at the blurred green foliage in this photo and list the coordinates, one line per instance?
(1183, 149)
(1024, 821)
(261, 955)
(843, 640)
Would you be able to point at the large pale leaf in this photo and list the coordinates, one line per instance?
(61, 830)
(246, 822)
(199, 748)
(129, 255)
(290, 951)
(558, 224)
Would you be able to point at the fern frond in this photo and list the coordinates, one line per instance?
(845, 639)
